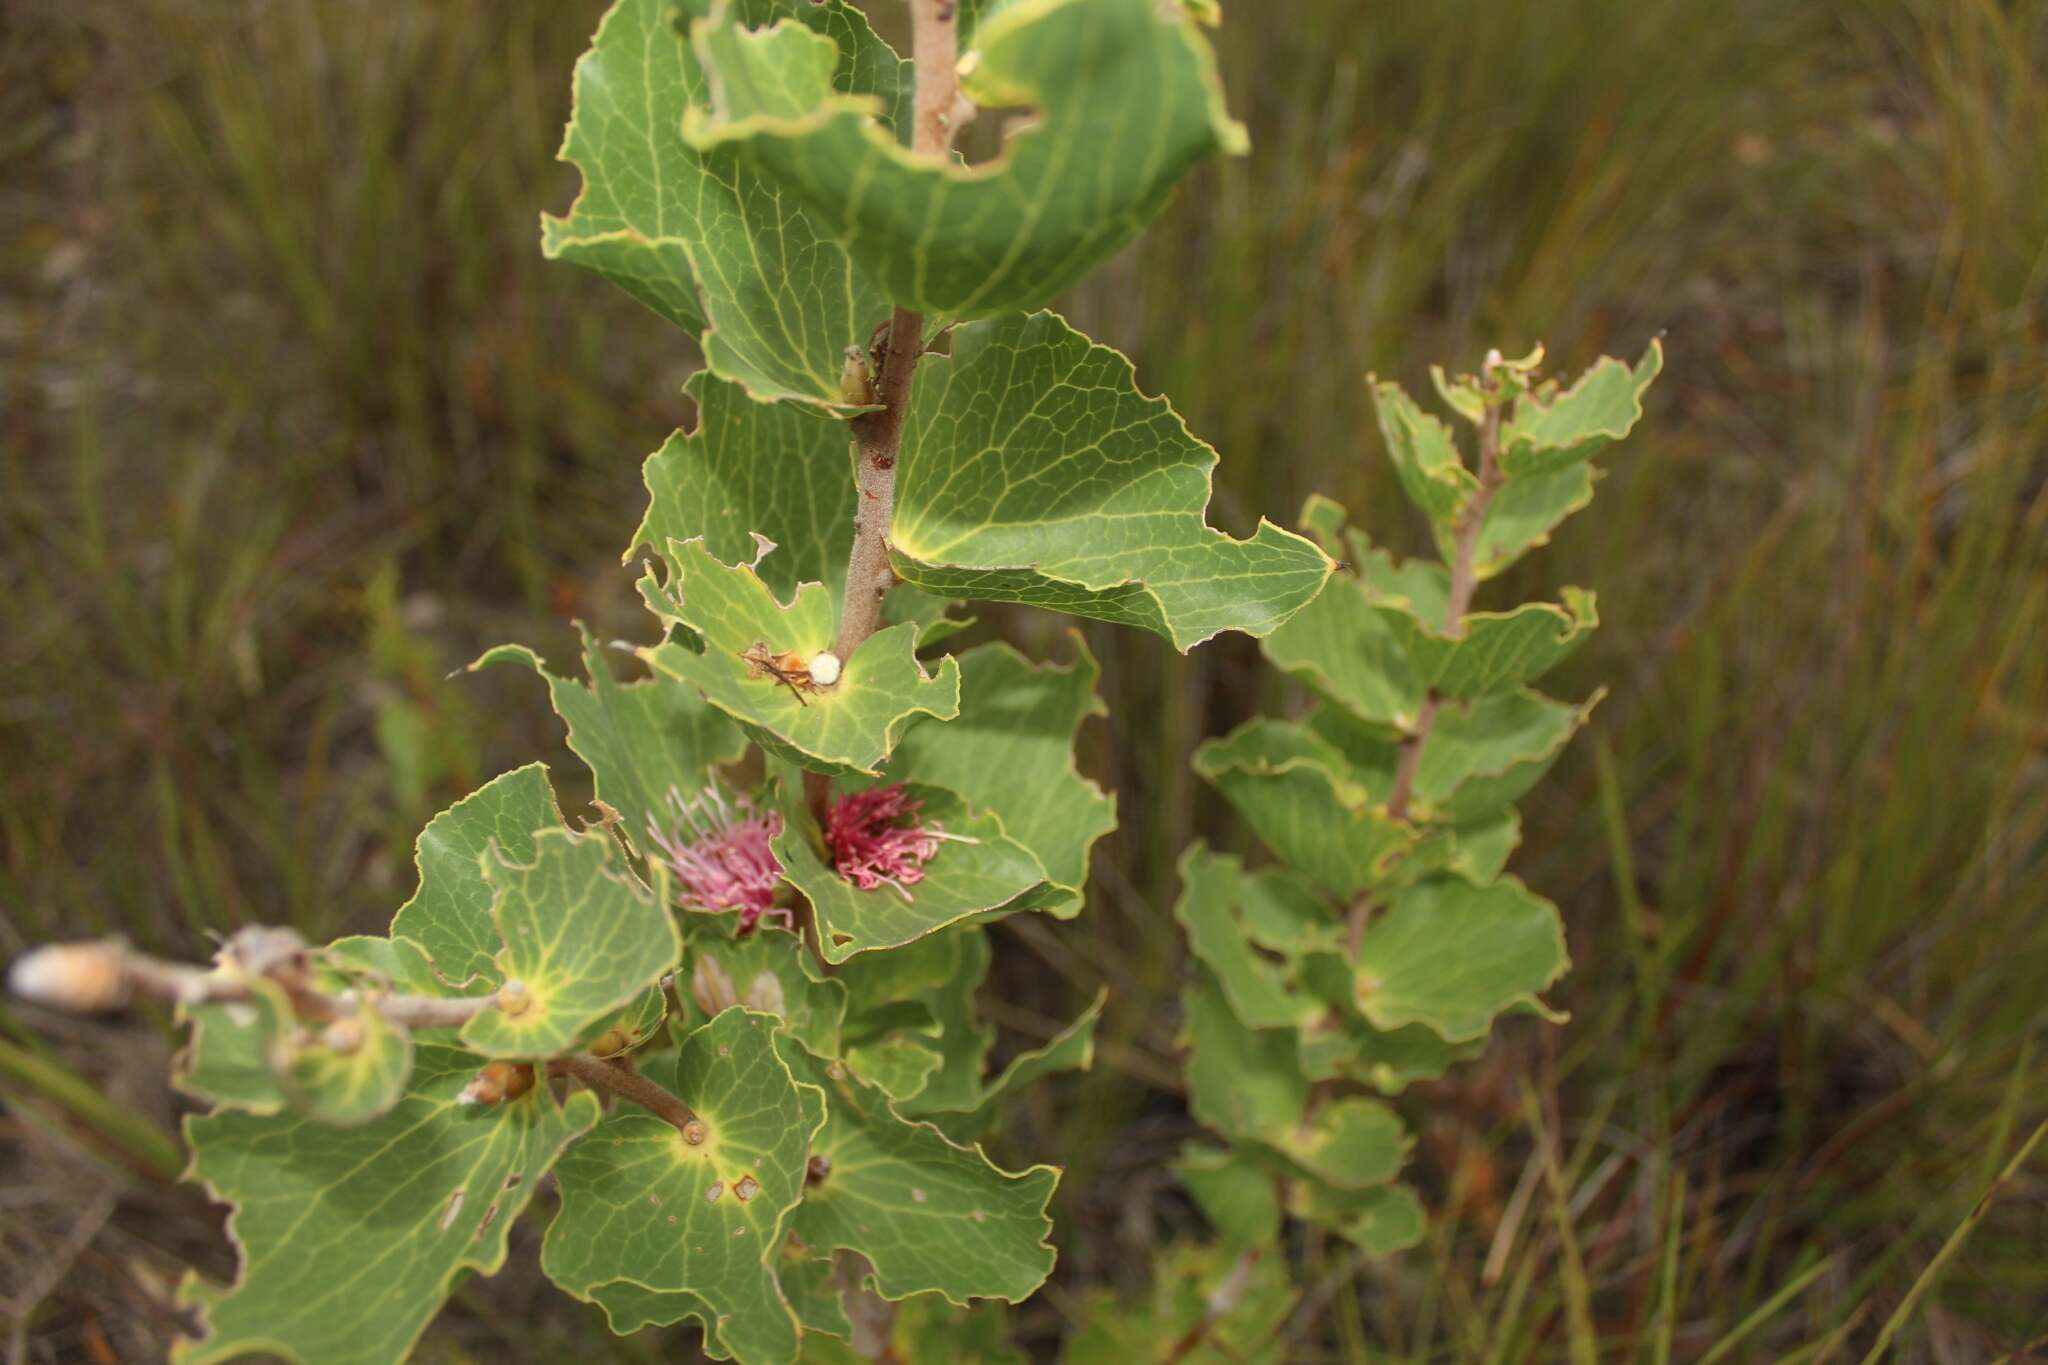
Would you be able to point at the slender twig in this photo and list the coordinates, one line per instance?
(878, 434)
(1464, 581)
(93, 976)
(599, 1074)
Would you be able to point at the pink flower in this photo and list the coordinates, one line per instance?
(875, 838)
(719, 852)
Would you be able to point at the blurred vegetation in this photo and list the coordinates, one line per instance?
(294, 420)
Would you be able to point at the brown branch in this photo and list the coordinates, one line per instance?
(599, 1074)
(894, 354)
(1464, 581)
(85, 978)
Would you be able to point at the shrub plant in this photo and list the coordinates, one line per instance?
(730, 1013)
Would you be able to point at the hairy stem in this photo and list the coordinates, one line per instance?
(618, 1079)
(894, 354)
(87, 977)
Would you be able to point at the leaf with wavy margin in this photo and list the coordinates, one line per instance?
(1033, 470)
(1128, 101)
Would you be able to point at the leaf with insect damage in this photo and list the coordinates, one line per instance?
(391, 1214)
(1127, 99)
(640, 740)
(1033, 470)
(645, 1207)
(929, 1215)
(756, 655)
(779, 470)
(707, 242)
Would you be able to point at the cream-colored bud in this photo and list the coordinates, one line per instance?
(343, 1035)
(71, 976)
(824, 668)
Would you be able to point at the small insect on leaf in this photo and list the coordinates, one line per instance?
(804, 678)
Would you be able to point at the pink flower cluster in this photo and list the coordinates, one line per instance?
(875, 838)
(719, 851)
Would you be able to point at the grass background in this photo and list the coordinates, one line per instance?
(294, 420)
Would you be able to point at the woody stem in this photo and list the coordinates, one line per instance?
(599, 1074)
(878, 435)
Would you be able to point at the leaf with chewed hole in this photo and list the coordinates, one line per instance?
(929, 1215)
(643, 1205)
(846, 728)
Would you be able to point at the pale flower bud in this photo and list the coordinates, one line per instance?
(824, 668)
(80, 977)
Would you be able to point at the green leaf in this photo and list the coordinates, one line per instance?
(777, 470)
(1479, 757)
(1498, 650)
(1243, 1082)
(1549, 432)
(640, 740)
(1525, 511)
(450, 915)
(847, 728)
(769, 971)
(1011, 752)
(979, 869)
(1342, 1044)
(389, 1214)
(344, 1073)
(1349, 1142)
(1450, 956)
(934, 981)
(643, 1206)
(1261, 992)
(1034, 471)
(930, 1216)
(1426, 460)
(1351, 656)
(226, 1058)
(930, 613)
(1297, 791)
(1127, 100)
(929, 1328)
(1236, 1190)
(580, 933)
(808, 1283)
(1177, 1308)
(711, 245)
(1071, 1049)
(388, 964)
(1380, 1221)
